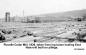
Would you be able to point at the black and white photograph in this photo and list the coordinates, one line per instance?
(43, 21)
(21, 26)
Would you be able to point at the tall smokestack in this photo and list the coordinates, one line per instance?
(7, 16)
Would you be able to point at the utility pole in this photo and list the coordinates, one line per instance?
(23, 13)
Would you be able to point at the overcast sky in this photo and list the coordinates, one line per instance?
(32, 7)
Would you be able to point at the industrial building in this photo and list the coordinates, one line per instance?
(7, 16)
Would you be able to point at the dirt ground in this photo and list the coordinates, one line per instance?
(43, 32)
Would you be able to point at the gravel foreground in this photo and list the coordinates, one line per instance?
(43, 32)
